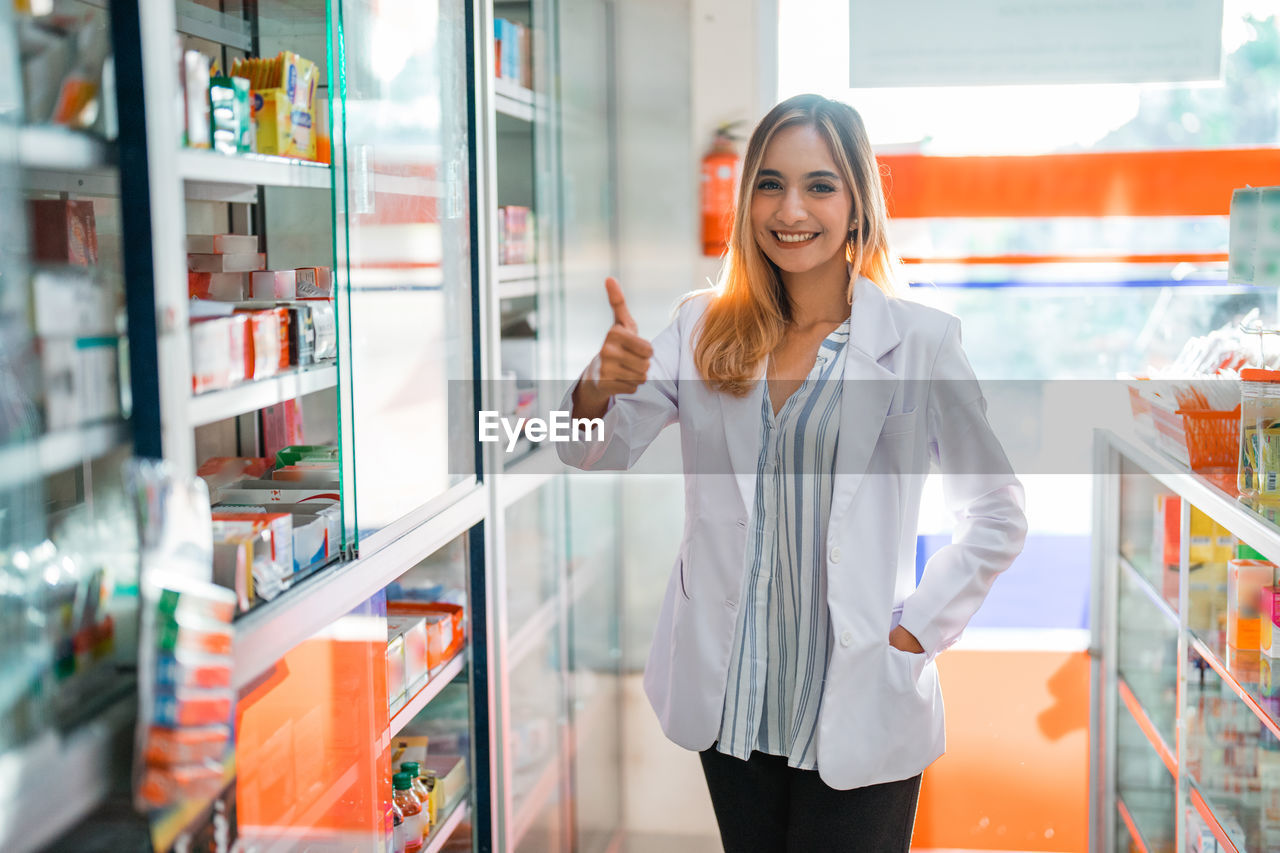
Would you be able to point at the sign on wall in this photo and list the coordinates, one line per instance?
(1016, 42)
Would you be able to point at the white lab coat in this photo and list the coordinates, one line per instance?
(881, 717)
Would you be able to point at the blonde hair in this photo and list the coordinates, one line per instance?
(749, 311)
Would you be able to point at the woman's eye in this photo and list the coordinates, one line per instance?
(823, 188)
(768, 184)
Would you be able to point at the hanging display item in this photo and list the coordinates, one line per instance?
(184, 759)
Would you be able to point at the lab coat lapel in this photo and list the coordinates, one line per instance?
(742, 433)
(867, 392)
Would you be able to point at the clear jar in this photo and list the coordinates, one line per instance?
(1259, 471)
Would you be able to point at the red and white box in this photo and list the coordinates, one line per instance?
(273, 284)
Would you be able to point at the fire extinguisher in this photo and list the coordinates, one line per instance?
(719, 181)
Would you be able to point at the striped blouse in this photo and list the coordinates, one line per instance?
(783, 634)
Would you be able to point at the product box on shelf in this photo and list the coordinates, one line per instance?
(282, 103)
(63, 232)
(452, 779)
(1245, 581)
(279, 524)
(273, 284)
(194, 74)
(230, 119)
(397, 681)
(413, 635)
(325, 324)
(181, 668)
(80, 380)
(444, 622)
(241, 262)
(314, 282)
(221, 471)
(282, 426)
(222, 244)
(218, 286)
(221, 352)
(268, 492)
(72, 303)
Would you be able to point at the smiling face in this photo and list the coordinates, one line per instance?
(801, 209)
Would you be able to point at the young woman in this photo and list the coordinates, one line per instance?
(794, 649)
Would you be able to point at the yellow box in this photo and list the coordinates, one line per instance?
(272, 124)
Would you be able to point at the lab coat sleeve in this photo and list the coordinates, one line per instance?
(632, 421)
(983, 495)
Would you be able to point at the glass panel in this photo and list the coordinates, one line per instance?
(534, 550)
(68, 552)
(1145, 540)
(405, 253)
(534, 748)
(1145, 786)
(1234, 760)
(594, 642)
(1148, 656)
(310, 764)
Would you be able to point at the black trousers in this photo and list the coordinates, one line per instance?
(764, 806)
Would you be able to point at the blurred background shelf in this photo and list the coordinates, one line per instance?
(56, 451)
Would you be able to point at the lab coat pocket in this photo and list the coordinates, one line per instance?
(684, 588)
(903, 423)
(905, 669)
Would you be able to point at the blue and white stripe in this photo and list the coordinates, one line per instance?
(783, 639)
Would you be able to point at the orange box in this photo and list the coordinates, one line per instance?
(1245, 581)
(445, 624)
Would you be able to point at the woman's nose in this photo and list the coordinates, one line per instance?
(792, 209)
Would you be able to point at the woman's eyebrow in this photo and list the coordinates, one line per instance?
(821, 173)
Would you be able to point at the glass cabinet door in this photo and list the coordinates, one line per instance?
(402, 137)
(595, 656)
(535, 735)
(68, 553)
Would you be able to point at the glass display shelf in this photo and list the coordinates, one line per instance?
(1141, 581)
(1233, 760)
(514, 101)
(444, 831)
(1250, 521)
(527, 473)
(251, 170)
(1147, 657)
(214, 406)
(268, 632)
(517, 272)
(28, 787)
(57, 451)
(1145, 780)
(52, 147)
(520, 288)
(208, 24)
(436, 681)
(1131, 837)
(535, 629)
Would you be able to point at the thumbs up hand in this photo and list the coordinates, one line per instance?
(622, 364)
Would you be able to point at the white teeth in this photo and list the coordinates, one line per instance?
(793, 238)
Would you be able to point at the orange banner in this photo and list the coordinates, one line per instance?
(1137, 183)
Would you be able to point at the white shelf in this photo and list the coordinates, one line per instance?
(52, 147)
(269, 631)
(441, 834)
(532, 632)
(209, 172)
(517, 272)
(513, 100)
(56, 451)
(436, 682)
(214, 406)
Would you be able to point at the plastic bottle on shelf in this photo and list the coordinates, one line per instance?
(414, 769)
(412, 830)
(1259, 472)
(397, 831)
